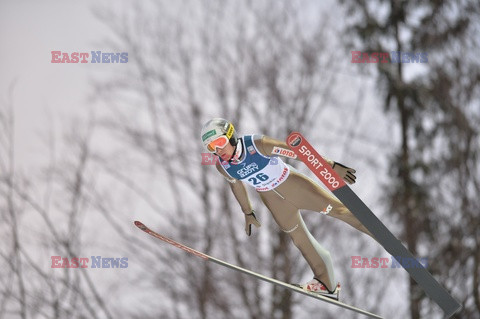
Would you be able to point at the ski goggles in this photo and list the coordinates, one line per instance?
(219, 142)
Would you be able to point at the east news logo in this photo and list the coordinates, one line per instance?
(92, 57)
(84, 262)
(212, 159)
(389, 57)
(384, 262)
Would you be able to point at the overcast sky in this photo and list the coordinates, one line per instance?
(29, 31)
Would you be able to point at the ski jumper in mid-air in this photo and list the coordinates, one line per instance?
(253, 159)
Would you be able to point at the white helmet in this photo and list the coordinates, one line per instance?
(216, 128)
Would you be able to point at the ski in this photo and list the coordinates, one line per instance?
(319, 166)
(251, 273)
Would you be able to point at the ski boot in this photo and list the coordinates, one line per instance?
(316, 286)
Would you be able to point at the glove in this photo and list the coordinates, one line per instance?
(347, 173)
(249, 220)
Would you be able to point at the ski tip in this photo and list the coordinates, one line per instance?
(140, 225)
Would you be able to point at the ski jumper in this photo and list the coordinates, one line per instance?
(285, 191)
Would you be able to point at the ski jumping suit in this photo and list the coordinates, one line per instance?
(285, 191)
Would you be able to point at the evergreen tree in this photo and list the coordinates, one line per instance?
(436, 105)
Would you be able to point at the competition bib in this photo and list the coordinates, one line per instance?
(259, 171)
